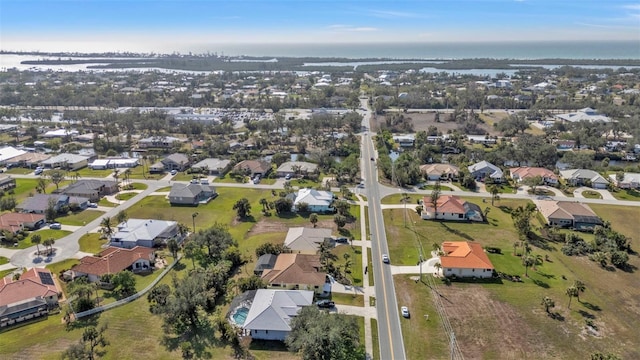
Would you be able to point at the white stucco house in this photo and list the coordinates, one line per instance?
(318, 201)
(465, 259)
(451, 208)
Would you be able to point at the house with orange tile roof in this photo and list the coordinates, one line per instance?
(297, 271)
(520, 173)
(30, 297)
(465, 259)
(452, 208)
(15, 222)
(113, 260)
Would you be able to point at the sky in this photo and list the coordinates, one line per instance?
(167, 25)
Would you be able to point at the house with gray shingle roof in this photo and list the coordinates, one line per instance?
(191, 194)
(485, 169)
(144, 232)
(584, 177)
(91, 189)
(66, 161)
(212, 166)
(176, 161)
(296, 168)
(272, 310)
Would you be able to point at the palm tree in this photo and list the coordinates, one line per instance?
(36, 239)
(527, 260)
(313, 218)
(107, 227)
(48, 243)
(548, 303)
(190, 250)
(438, 267)
(116, 174)
(127, 176)
(537, 260)
(172, 245)
(516, 244)
(581, 287)
(571, 292)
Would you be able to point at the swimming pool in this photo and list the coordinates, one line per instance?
(240, 315)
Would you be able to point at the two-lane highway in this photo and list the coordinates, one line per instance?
(389, 331)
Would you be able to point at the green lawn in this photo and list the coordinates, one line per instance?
(370, 266)
(89, 173)
(142, 172)
(27, 187)
(347, 299)
(3, 260)
(412, 200)
(44, 234)
(305, 183)
(126, 196)
(4, 273)
(590, 194)
(432, 187)
(137, 186)
(374, 336)
(91, 243)
(105, 202)
(164, 189)
(80, 218)
(628, 194)
(355, 256)
(496, 320)
(19, 171)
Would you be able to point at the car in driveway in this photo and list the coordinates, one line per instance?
(173, 172)
(342, 240)
(405, 312)
(325, 304)
(385, 258)
(55, 226)
(92, 205)
(288, 177)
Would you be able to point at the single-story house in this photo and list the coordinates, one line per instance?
(9, 152)
(191, 194)
(164, 142)
(297, 271)
(630, 181)
(156, 168)
(272, 310)
(113, 260)
(14, 222)
(113, 163)
(584, 177)
(32, 296)
(520, 173)
(71, 162)
(439, 171)
(212, 166)
(7, 182)
(264, 262)
(91, 189)
(485, 169)
(318, 201)
(176, 161)
(569, 214)
(586, 114)
(305, 240)
(293, 168)
(28, 160)
(39, 203)
(253, 167)
(144, 232)
(465, 259)
(450, 207)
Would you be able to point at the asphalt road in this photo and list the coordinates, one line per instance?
(389, 330)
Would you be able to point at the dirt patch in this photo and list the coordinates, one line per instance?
(422, 122)
(271, 225)
(40, 350)
(488, 328)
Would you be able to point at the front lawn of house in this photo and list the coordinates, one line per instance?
(80, 218)
(504, 319)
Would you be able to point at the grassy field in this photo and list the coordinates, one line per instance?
(80, 218)
(44, 234)
(370, 266)
(629, 194)
(374, 336)
(504, 320)
(397, 199)
(4, 273)
(91, 243)
(590, 194)
(138, 186)
(432, 187)
(3, 260)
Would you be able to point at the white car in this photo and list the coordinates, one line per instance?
(173, 172)
(405, 312)
(385, 258)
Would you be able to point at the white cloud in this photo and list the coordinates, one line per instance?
(351, 28)
(390, 14)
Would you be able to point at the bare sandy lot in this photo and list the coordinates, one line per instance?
(422, 121)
